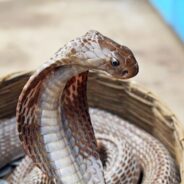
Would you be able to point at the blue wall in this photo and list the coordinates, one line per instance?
(173, 13)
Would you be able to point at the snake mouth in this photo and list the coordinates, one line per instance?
(130, 72)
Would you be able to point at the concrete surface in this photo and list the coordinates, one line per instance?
(31, 31)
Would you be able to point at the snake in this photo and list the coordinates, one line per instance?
(67, 142)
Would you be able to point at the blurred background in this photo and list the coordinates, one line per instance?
(31, 31)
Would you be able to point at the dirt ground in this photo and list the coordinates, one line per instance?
(31, 31)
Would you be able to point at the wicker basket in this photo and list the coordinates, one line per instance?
(127, 99)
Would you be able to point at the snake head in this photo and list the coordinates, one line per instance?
(109, 56)
(122, 63)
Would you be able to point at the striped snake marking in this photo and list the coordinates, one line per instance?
(65, 143)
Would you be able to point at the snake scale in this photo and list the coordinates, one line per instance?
(66, 142)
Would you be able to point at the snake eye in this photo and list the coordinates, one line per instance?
(114, 62)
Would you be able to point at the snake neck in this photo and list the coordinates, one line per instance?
(54, 126)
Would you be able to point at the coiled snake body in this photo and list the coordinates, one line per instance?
(55, 128)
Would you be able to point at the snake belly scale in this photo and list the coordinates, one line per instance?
(55, 127)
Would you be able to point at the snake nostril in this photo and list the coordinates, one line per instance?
(125, 72)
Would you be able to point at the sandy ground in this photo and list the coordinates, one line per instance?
(31, 31)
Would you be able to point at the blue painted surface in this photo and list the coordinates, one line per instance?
(173, 13)
(178, 18)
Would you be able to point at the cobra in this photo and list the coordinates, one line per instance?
(55, 129)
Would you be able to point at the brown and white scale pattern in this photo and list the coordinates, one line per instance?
(56, 132)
